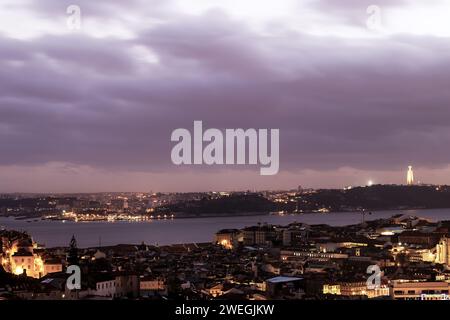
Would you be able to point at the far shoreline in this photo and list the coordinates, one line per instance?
(224, 215)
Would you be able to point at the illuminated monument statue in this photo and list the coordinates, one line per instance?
(410, 176)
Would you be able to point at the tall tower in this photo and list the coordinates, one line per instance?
(410, 176)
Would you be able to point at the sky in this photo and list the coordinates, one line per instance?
(359, 90)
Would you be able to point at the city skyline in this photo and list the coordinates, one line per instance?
(357, 89)
(408, 175)
(211, 158)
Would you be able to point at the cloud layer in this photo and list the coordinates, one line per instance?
(104, 99)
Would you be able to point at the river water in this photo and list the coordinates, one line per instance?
(90, 234)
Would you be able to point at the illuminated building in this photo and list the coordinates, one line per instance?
(19, 258)
(421, 255)
(228, 238)
(420, 291)
(294, 254)
(216, 290)
(443, 251)
(410, 176)
(24, 261)
(428, 239)
(149, 286)
(332, 289)
(52, 266)
(355, 289)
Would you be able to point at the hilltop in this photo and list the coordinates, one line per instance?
(378, 197)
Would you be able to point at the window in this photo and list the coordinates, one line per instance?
(428, 291)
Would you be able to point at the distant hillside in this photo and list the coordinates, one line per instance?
(378, 197)
(242, 203)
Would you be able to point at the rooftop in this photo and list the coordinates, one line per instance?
(283, 279)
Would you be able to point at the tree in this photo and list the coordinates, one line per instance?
(72, 257)
(402, 259)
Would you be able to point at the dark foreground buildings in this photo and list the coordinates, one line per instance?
(402, 257)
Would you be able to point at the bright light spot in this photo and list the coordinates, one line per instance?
(18, 270)
(226, 244)
(369, 183)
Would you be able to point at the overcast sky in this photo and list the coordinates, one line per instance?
(93, 109)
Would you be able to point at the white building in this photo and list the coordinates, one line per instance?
(410, 176)
(152, 286)
(116, 286)
(420, 290)
(443, 251)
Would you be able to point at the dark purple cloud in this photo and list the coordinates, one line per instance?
(370, 104)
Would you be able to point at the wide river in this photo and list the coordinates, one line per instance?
(91, 234)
